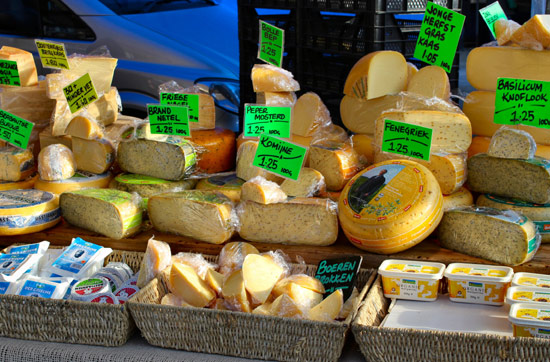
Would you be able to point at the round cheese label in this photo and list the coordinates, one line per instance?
(227, 182)
(91, 286)
(134, 179)
(13, 199)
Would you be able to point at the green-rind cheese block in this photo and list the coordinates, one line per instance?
(526, 180)
(538, 213)
(502, 236)
(147, 186)
(109, 212)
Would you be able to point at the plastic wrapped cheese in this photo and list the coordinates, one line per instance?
(172, 93)
(268, 78)
(84, 127)
(338, 162)
(504, 29)
(13, 266)
(147, 186)
(328, 309)
(95, 156)
(245, 169)
(258, 189)
(430, 81)
(25, 64)
(310, 183)
(534, 33)
(186, 284)
(42, 288)
(512, 143)
(232, 256)
(309, 114)
(277, 99)
(195, 261)
(56, 162)
(157, 257)
(229, 185)
(260, 274)
(16, 164)
(234, 292)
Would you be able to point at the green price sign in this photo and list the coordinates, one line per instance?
(190, 101)
(52, 55)
(170, 120)
(80, 93)
(272, 41)
(9, 75)
(407, 139)
(439, 36)
(521, 101)
(15, 130)
(491, 13)
(279, 157)
(274, 121)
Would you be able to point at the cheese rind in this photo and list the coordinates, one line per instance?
(28, 183)
(262, 191)
(229, 185)
(328, 309)
(84, 127)
(260, 274)
(430, 81)
(95, 156)
(215, 150)
(15, 164)
(268, 78)
(337, 162)
(56, 162)
(158, 256)
(245, 169)
(512, 143)
(461, 198)
(25, 64)
(300, 221)
(147, 186)
(186, 284)
(309, 114)
(362, 143)
(310, 183)
(80, 180)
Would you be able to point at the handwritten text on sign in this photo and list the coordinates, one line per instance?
(270, 120)
(170, 120)
(190, 101)
(271, 44)
(491, 13)
(80, 93)
(521, 101)
(279, 157)
(439, 36)
(339, 273)
(52, 55)
(15, 130)
(407, 139)
(9, 75)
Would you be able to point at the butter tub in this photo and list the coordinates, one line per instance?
(530, 320)
(531, 280)
(406, 279)
(521, 294)
(477, 283)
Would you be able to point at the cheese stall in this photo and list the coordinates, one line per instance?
(415, 221)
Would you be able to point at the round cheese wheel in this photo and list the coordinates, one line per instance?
(19, 185)
(215, 148)
(390, 206)
(229, 185)
(80, 180)
(56, 162)
(462, 197)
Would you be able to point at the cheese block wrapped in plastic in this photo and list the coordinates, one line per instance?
(25, 64)
(84, 127)
(147, 186)
(377, 74)
(258, 189)
(504, 29)
(310, 183)
(15, 164)
(338, 162)
(512, 143)
(300, 221)
(232, 256)
(234, 292)
(172, 93)
(186, 284)
(203, 215)
(460, 198)
(215, 150)
(174, 301)
(526, 180)
(260, 274)
(452, 132)
(268, 78)
(229, 186)
(47, 139)
(538, 213)
(95, 156)
(362, 144)
(329, 308)
(158, 256)
(534, 33)
(56, 162)
(285, 306)
(309, 114)
(430, 81)
(245, 169)
(113, 213)
(390, 206)
(504, 237)
(196, 261)
(481, 144)
(80, 180)
(30, 103)
(277, 99)
(449, 170)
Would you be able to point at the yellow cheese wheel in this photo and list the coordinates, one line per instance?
(229, 185)
(27, 211)
(215, 149)
(390, 206)
(19, 185)
(80, 180)
(460, 198)
(15, 164)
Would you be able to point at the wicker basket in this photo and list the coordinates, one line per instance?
(406, 344)
(68, 321)
(240, 334)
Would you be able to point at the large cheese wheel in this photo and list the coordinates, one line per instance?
(390, 206)
(25, 64)
(229, 186)
(309, 114)
(15, 164)
(431, 81)
(80, 180)
(215, 150)
(27, 211)
(56, 162)
(460, 198)
(95, 156)
(377, 74)
(268, 78)
(337, 162)
(28, 183)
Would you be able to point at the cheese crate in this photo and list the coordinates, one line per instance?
(69, 321)
(239, 334)
(408, 344)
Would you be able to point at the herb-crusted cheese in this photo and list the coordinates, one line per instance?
(310, 183)
(501, 236)
(147, 186)
(112, 213)
(512, 143)
(15, 164)
(338, 162)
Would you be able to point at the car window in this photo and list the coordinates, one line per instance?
(42, 19)
(126, 7)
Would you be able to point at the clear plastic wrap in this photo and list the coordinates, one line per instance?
(13, 266)
(309, 114)
(310, 183)
(95, 156)
(504, 29)
(196, 261)
(232, 256)
(17, 164)
(269, 78)
(261, 273)
(158, 256)
(258, 189)
(56, 162)
(85, 126)
(502, 236)
(533, 34)
(147, 186)
(509, 142)
(245, 169)
(276, 99)
(30, 103)
(186, 284)
(173, 300)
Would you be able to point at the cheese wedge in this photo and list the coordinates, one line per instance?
(84, 127)
(268, 78)
(504, 29)
(25, 64)
(229, 186)
(534, 33)
(234, 292)
(245, 169)
(349, 305)
(263, 309)
(277, 99)
(260, 275)
(328, 309)
(512, 143)
(101, 70)
(30, 103)
(285, 306)
(262, 191)
(309, 115)
(452, 132)
(56, 162)
(214, 280)
(303, 297)
(95, 156)
(431, 81)
(310, 183)
(461, 198)
(215, 149)
(47, 139)
(158, 256)
(16, 164)
(377, 74)
(232, 256)
(186, 284)
(337, 162)
(174, 301)
(303, 280)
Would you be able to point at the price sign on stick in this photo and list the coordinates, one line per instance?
(191, 101)
(80, 93)
(491, 13)
(279, 157)
(9, 75)
(52, 55)
(439, 36)
(407, 139)
(339, 273)
(169, 120)
(272, 40)
(15, 130)
(274, 121)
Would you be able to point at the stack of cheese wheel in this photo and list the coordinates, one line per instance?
(390, 206)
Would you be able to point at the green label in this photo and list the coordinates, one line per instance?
(170, 120)
(191, 101)
(521, 101)
(80, 93)
(491, 13)
(279, 157)
(407, 139)
(439, 36)
(52, 55)
(272, 41)
(533, 245)
(543, 226)
(274, 121)
(9, 75)
(15, 130)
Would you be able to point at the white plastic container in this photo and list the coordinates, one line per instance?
(521, 294)
(90, 287)
(530, 320)
(478, 283)
(407, 279)
(531, 280)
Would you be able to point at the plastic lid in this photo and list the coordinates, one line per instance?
(522, 294)
(411, 269)
(530, 314)
(479, 272)
(531, 280)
